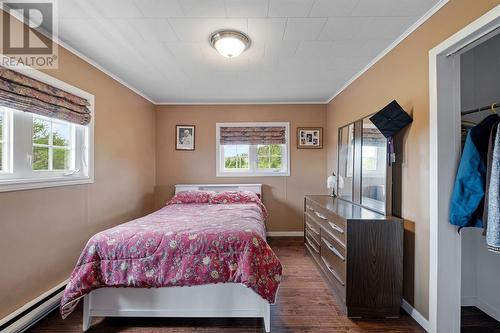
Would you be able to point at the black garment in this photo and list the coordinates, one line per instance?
(480, 135)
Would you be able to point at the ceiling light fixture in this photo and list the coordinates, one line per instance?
(229, 43)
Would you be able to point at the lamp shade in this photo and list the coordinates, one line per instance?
(331, 181)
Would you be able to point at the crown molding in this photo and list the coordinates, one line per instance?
(245, 103)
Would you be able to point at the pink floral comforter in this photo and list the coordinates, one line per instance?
(179, 245)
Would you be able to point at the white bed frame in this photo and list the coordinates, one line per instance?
(212, 301)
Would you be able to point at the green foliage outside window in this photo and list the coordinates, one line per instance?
(240, 161)
(60, 145)
(269, 156)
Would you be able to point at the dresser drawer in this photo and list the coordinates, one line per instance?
(319, 210)
(335, 256)
(312, 227)
(330, 222)
(313, 246)
(334, 277)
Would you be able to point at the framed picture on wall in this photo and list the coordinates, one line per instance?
(184, 137)
(309, 137)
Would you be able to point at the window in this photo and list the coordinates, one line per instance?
(37, 151)
(236, 157)
(53, 145)
(369, 158)
(269, 157)
(43, 149)
(252, 149)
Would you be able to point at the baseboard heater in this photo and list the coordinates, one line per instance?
(29, 314)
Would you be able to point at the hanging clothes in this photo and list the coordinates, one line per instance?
(493, 199)
(467, 200)
(489, 164)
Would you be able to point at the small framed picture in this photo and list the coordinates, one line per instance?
(309, 137)
(184, 137)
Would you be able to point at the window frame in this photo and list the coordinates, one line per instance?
(252, 171)
(12, 180)
(5, 142)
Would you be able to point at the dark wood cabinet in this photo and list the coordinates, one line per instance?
(360, 253)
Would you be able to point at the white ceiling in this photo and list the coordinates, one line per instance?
(302, 50)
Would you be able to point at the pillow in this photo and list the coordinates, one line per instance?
(240, 197)
(229, 197)
(187, 197)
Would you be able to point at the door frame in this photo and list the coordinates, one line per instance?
(444, 129)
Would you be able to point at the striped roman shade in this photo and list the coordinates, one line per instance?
(373, 137)
(252, 135)
(23, 93)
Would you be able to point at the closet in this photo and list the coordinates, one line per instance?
(480, 88)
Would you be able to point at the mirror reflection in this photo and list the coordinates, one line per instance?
(373, 167)
(346, 162)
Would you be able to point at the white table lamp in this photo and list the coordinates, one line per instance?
(331, 182)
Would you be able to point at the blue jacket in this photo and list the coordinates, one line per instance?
(467, 199)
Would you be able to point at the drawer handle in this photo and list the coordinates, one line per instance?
(321, 216)
(336, 227)
(335, 275)
(310, 227)
(333, 249)
(329, 233)
(311, 245)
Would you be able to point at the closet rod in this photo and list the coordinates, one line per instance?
(491, 107)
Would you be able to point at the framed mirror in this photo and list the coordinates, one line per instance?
(345, 170)
(364, 175)
(373, 167)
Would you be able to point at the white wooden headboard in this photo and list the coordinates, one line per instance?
(257, 188)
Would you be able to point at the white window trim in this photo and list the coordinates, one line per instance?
(18, 184)
(7, 156)
(271, 173)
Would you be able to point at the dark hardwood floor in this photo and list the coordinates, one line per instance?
(476, 321)
(305, 304)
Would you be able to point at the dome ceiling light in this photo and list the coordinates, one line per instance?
(229, 43)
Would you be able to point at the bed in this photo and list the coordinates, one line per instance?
(184, 260)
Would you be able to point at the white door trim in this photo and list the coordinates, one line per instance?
(444, 128)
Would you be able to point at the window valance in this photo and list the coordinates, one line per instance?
(23, 93)
(252, 135)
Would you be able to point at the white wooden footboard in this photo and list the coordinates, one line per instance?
(215, 300)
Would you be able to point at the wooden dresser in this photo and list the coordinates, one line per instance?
(359, 251)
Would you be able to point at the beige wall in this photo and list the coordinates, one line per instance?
(283, 196)
(403, 75)
(42, 231)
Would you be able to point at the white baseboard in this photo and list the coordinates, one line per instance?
(285, 233)
(30, 318)
(421, 320)
(487, 308)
